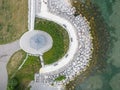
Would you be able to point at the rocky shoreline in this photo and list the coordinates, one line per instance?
(101, 40)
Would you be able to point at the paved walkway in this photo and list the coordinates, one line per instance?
(43, 13)
(6, 51)
(67, 66)
(31, 13)
(73, 46)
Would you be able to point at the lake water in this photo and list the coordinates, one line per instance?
(109, 79)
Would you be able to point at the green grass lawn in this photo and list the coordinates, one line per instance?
(15, 61)
(60, 78)
(25, 75)
(60, 39)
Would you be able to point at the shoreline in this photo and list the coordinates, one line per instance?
(97, 56)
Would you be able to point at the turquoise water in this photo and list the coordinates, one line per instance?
(109, 78)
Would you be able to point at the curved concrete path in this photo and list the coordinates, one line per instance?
(6, 51)
(44, 13)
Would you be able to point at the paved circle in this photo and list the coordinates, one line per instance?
(36, 42)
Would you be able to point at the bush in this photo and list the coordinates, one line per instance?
(12, 84)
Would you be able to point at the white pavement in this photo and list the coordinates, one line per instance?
(73, 46)
(31, 13)
(6, 51)
(28, 42)
(80, 42)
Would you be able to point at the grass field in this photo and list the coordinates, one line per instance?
(25, 75)
(13, 19)
(15, 61)
(60, 40)
(60, 78)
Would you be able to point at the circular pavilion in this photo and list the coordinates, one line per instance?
(36, 42)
